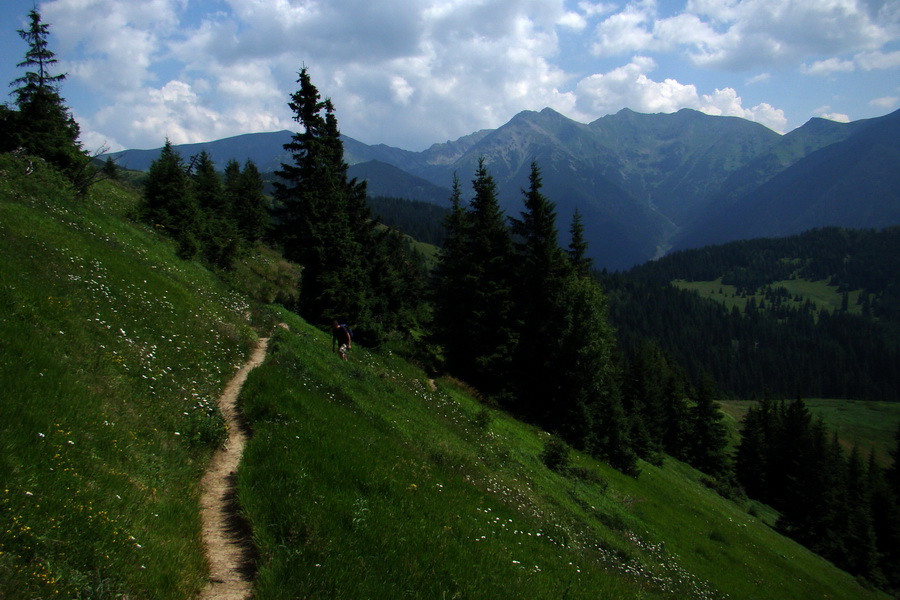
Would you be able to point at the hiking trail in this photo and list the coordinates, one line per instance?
(225, 534)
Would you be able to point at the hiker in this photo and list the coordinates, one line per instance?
(340, 336)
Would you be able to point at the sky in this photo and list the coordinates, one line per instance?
(411, 73)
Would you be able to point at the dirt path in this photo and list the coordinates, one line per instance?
(225, 535)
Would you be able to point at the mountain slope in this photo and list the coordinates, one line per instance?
(643, 182)
(364, 479)
(854, 182)
(359, 477)
(113, 352)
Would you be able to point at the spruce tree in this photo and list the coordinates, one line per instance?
(541, 268)
(578, 245)
(218, 232)
(169, 204)
(708, 440)
(323, 223)
(247, 204)
(44, 125)
(492, 333)
(588, 410)
(451, 322)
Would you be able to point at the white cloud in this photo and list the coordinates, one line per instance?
(412, 72)
(829, 66)
(837, 117)
(886, 102)
(630, 87)
(870, 61)
(761, 78)
(625, 32)
(749, 34)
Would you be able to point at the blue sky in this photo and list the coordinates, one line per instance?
(410, 73)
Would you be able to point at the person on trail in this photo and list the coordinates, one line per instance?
(340, 337)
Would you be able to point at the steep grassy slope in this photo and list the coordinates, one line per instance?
(363, 480)
(112, 352)
(360, 479)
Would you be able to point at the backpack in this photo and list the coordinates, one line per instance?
(347, 329)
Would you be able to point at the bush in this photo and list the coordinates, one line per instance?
(556, 454)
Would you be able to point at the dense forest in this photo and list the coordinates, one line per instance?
(623, 366)
(778, 343)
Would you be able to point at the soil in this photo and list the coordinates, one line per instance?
(225, 534)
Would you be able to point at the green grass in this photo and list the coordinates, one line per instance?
(113, 352)
(360, 480)
(824, 296)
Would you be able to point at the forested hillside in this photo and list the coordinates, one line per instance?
(513, 378)
(760, 327)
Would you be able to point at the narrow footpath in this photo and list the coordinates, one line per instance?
(225, 535)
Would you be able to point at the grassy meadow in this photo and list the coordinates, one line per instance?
(362, 479)
(112, 354)
(824, 296)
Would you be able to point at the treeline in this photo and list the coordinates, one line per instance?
(422, 221)
(791, 348)
(844, 507)
(525, 322)
(867, 260)
(208, 215)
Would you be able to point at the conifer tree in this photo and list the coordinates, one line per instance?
(708, 433)
(44, 126)
(451, 322)
(323, 222)
(492, 333)
(541, 268)
(218, 232)
(885, 521)
(578, 245)
(168, 201)
(247, 203)
(588, 410)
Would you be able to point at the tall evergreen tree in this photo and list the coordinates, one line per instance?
(588, 410)
(322, 220)
(452, 317)
(578, 245)
(708, 433)
(218, 232)
(541, 268)
(886, 522)
(44, 125)
(169, 203)
(247, 204)
(492, 335)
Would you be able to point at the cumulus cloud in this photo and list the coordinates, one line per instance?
(886, 102)
(829, 66)
(630, 86)
(869, 61)
(748, 34)
(837, 117)
(413, 72)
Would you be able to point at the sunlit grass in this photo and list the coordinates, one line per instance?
(113, 353)
(823, 296)
(361, 480)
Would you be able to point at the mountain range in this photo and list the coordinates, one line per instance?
(645, 184)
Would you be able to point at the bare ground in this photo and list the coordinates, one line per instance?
(225, 534)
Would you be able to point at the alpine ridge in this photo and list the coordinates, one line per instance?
(644, 183)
